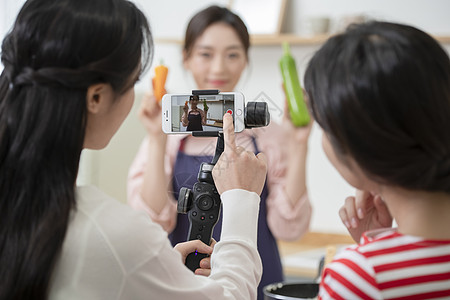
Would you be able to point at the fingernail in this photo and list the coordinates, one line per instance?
(360, 213)
(347, 224)
(354, 223)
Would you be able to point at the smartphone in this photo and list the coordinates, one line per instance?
(187, 113)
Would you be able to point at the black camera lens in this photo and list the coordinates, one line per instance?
(256, 114)
(205, 202)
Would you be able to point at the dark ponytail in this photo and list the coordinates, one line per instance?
(381, 92)
(55, 51)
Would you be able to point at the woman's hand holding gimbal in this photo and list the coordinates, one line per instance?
(188, 247)
(236, 167)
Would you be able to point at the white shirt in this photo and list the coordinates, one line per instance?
(114, 252)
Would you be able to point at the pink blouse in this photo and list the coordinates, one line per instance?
(286, 221)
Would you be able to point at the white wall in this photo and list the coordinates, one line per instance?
(108, 168)
(8, 12)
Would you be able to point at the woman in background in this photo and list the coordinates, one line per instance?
(193, 118)
(68, 84)
(216, 53)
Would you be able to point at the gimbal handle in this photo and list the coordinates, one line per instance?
(202, 205)
(220, 146)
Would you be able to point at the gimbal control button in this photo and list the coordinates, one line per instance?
(205, 202)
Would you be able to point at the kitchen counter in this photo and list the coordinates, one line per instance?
(301, 258)
(214, 123)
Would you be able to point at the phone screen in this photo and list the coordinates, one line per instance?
(200, 112)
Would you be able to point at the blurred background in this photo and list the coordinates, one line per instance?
(304, 23)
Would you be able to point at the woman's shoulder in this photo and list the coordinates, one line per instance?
(106, 211)
(105, 241)
(115, 224)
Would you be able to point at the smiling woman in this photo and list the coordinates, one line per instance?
(215, 52)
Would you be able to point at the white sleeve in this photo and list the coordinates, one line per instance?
(235, 261)
(236, 266)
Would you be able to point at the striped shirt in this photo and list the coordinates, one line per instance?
(389, 265)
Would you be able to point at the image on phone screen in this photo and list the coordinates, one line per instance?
(200, 112)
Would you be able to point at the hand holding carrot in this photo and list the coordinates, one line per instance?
(150, 116)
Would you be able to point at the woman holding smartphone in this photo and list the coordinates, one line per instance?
(69, 87)
(216, 54)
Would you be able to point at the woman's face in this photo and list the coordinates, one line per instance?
(102, 125)
(194, 103)
(217, 58)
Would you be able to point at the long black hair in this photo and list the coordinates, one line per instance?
(381, 93)
(54, 52)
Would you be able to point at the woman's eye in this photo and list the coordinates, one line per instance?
(205, 54)
(233, 55)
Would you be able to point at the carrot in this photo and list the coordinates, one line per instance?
(159, 81)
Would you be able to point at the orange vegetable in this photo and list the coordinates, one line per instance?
(159, 81)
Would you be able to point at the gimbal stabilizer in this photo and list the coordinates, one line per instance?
(202, 203)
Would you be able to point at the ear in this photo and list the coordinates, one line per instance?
(96, 97)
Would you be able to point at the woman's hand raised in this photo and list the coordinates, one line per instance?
(236, 167)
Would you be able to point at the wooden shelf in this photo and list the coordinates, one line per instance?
(270, 40)
(303, 40)
(443, 39)
(267, 40)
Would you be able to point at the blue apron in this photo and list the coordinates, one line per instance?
(185, 175)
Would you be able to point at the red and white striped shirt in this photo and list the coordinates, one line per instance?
(389, 265)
